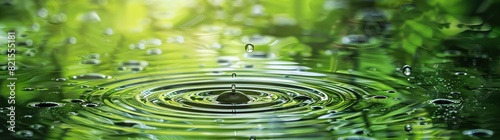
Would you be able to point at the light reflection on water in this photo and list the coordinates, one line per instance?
(371, 73)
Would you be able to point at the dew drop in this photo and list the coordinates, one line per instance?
(59, 79)
(233, 75)
(478, 133)
(24, 134)
(408, 128)
(406, 70)
(249, 48)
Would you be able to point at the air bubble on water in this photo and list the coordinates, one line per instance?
(24, 134)
(91, 16)
(45, 104)
(460, 73)
(249, 48)
(154, 51)
(406, 70)
(43, 13)
(91, 61)
(478, 133)
(108, 31)
(91, 76)
(408, 128)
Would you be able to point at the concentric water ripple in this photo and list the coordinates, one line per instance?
(287, 104)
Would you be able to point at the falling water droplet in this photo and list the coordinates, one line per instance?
(233, 88)
(233, 75)
(249, 48)
(253, 138)
(406, 70)
(408, 128)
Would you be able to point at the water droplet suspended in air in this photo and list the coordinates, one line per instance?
(233, 88)
(406, 70)
(233, 75)
(253, 138)
(249, 48)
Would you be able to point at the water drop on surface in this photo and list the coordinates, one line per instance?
(443, 101)
(408, 128)
(24, 134)
(45, 104)
(233, 75)
(154, 51)
(316, 107)
(90, 105)
(460, 73)
(478, 133)
(249, 48)
(406, 70)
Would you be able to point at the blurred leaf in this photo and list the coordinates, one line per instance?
(420, 28)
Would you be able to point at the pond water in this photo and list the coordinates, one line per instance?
(249, 69)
